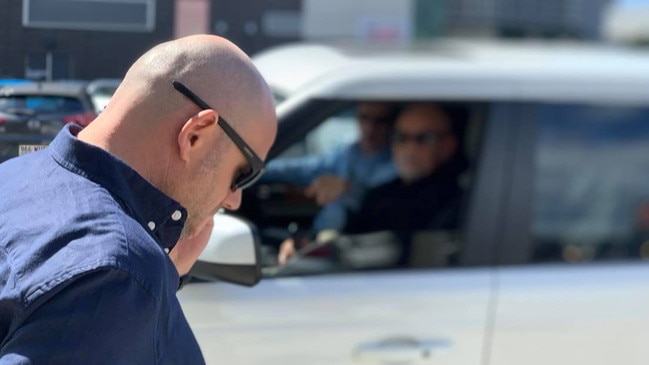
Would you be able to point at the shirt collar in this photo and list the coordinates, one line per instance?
(160, 215)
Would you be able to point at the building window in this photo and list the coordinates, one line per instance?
(110, 15)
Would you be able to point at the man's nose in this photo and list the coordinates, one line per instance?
(233, 200)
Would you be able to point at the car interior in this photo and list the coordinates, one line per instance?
(283, 210)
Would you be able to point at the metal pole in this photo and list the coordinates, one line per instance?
(49, 66)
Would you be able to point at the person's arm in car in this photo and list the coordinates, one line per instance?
(303, 171)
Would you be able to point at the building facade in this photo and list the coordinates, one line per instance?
(66, 39)
(576, 19)
(86, 39)
(412, 19)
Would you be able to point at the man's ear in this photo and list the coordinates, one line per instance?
(197, 135)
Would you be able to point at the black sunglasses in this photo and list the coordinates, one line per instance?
(257, 168)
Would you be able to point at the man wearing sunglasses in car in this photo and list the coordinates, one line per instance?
(97, 229)
(425, 195)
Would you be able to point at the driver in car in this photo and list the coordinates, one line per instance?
(425, 195)
(338, 179)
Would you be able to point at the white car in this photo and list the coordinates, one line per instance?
(100, 91)
(288, 68)
(549, 266)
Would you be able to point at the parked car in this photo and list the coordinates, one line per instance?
(100, 92)
(32, 114)
(550, 266)
(6, 82)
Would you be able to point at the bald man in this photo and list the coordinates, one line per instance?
(97, 229)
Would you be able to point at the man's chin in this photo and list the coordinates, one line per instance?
(186, 232)
(193, 226)
(189, 230)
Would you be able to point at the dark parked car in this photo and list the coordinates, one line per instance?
(7, 82)
(33, 113)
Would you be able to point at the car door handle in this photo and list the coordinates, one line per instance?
(400, 350)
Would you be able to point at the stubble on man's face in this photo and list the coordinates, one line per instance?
(201, 189)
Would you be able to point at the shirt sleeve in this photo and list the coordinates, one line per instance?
(366, 174)
(303, 170)
(104, 317)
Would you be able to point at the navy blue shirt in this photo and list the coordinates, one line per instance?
(84, 272)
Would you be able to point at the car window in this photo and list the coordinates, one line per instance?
(438, 202)
(41, 104)
(591, 195)
(340, 129)
(107, 90)
(337, 130)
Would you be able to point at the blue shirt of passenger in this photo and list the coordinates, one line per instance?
(84, 276)
(349, 162)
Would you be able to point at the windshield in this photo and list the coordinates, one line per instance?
(40, 104)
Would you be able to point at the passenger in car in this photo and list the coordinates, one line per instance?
(338, 179)
(425, 195)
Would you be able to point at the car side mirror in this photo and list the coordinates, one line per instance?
(232, 254)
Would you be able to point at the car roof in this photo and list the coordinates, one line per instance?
(288, 67)
(484, 69)
(70, 89)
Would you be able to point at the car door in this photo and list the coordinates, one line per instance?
(574, 285)
(431, 311)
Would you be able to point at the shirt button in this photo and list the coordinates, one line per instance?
(166, 250)
(177, 215)
(152, 225)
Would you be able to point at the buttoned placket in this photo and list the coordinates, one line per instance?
(175, 216)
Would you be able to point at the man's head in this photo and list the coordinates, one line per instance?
(183, 148)
(375, 120)
(423, 141)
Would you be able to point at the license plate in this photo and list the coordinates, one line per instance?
(27, 148)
